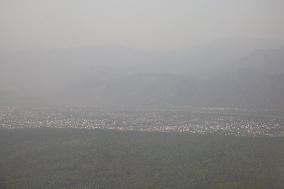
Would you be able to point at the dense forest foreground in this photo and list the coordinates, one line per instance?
(75, 158)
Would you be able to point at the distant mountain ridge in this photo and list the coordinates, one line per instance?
(122, 77)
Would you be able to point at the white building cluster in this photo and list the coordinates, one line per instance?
(150, 121)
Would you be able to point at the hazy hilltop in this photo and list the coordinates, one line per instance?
(239, 73)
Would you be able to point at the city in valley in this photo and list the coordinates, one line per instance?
(202, 122)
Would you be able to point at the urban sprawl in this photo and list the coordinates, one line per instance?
(193, 122)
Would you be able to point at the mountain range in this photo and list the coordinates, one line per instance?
(230, 73)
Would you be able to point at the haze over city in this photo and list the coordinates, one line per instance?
(136, 94)
(149, 25)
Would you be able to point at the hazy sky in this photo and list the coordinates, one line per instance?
(145, 24)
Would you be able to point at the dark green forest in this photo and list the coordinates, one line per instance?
(97, 159)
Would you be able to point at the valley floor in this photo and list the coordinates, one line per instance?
(76, 158)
